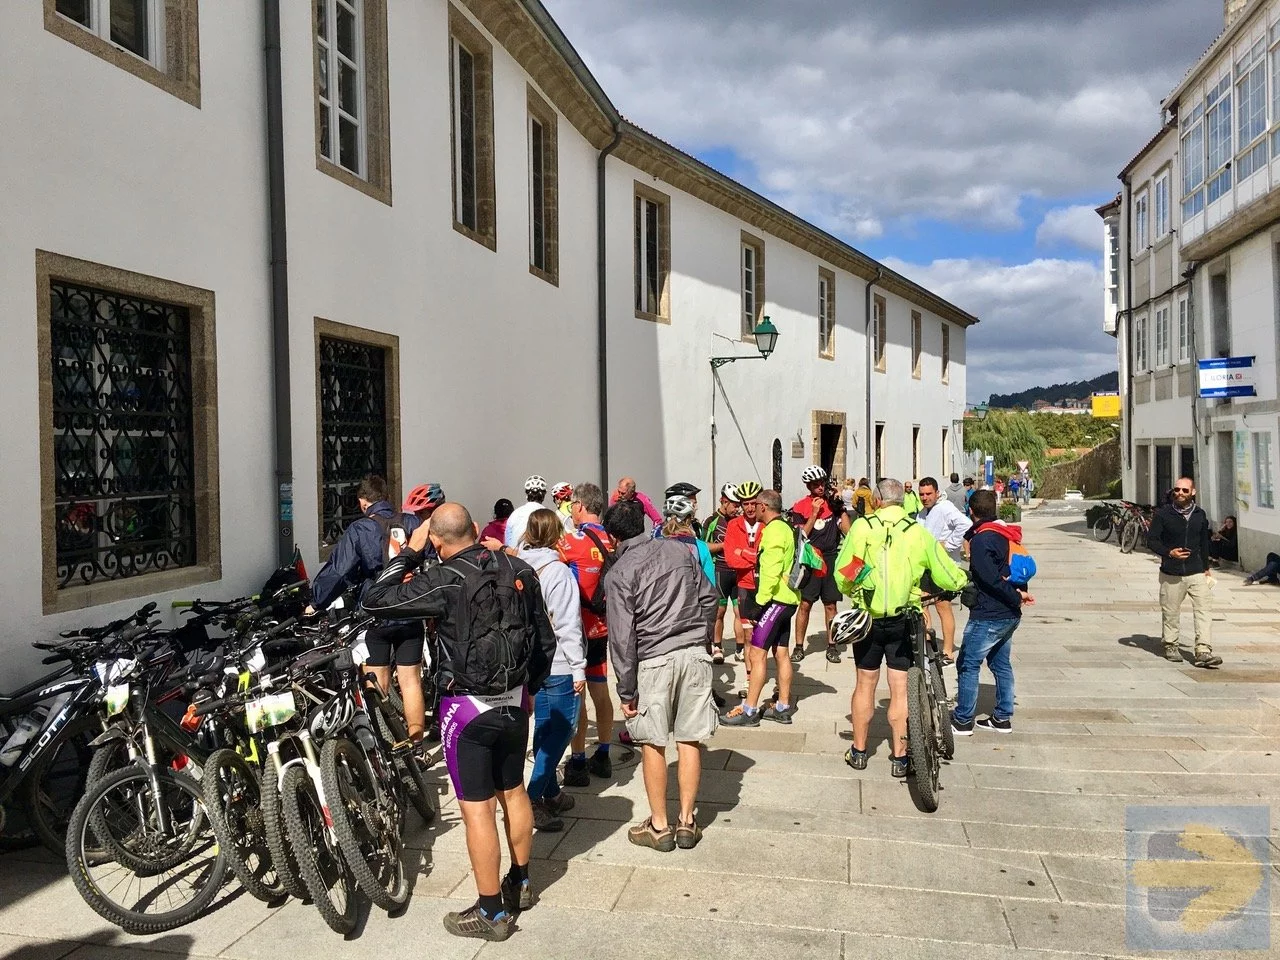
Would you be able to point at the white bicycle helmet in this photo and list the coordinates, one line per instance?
(535, 484)
(729, 492)
(679, 507)
(562, 491)
(850, 626)
(813, 473)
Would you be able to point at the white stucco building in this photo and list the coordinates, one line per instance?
(254, 249)
(1198, 224)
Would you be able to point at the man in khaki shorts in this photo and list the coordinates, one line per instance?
(661, 609)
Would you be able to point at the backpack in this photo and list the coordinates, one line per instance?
(395, 537)
(1022, 566)
(596, 603)
(805, 563)
(495, 637)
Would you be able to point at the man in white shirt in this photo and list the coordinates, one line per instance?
(948, 526)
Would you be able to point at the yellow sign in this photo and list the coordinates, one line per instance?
(1228, 873)
(1106, 405)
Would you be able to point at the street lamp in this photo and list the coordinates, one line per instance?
(980, 411)
(766, 337)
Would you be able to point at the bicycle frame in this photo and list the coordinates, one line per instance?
(81, 692)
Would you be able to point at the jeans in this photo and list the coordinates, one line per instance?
(555, 716)
(988, 640)
(1270, 572)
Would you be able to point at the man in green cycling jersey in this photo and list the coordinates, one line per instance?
(899, 551)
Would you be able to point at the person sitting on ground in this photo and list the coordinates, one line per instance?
(1270, 573)
(626, 490)
(1224, 543)
(496, 529)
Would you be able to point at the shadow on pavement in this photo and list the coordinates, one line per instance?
(1152, 645)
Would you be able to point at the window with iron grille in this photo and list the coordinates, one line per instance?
(353, 427)
(123, 444)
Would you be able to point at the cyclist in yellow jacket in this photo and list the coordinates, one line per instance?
(897, 550)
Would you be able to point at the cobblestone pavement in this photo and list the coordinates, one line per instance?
(804, 857)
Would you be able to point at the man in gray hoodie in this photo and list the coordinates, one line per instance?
(955, 492)
(661, 609)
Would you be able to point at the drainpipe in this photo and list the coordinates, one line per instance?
(869, 439)
(1128, 324)
(283, 410)
(602, 310)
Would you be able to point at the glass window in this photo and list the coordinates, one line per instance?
(537, 195)
(946, 352)
(879, 330)
(354, 426)
(464, 123)
(750, 279)
(1141, 225)
(1140, 344)
(1263, 484)
(1162, 337)
(1184, 331)
(339, 45)
(1162, 205)
(1193, 169)
(133, 25)
(916, 347)
(1218, 122)
(826, 313)
(648, 262)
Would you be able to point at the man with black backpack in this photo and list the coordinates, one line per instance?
(496, 648)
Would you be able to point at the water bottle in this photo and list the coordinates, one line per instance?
(26, 728)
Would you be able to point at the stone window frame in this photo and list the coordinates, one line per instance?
(463, 32)
(663, 202)
(542, 111)
(200, 306)
(917, 343)
(880, 332)
(757, 282)
(376, 182)
(817, 420)
(181, 35)
(827, 303)
(391, 344)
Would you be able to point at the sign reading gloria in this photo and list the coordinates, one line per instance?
(1226, 377)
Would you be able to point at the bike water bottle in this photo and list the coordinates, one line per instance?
(26, 728)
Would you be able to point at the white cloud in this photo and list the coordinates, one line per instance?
(1079, 226)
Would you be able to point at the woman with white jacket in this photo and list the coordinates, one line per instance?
(555, 707)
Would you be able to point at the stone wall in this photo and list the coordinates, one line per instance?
(1090, 474)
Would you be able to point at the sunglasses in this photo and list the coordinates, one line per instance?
(1181, 489)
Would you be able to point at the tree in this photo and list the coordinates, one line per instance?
(1009, 437)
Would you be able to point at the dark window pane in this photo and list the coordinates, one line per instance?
(322, 64)
(77, 10)
(326, 150)
(651, 256)
(346, 31)
(639, 271)
(537, 197)
(348, 90)
(348, 145)
(466, 108)
(129, 26)
(353, 427)
(322, 19)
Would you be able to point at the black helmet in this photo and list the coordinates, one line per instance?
(682, 490)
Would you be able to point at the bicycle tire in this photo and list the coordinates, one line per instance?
(1129, 537)
(304, 821)
(370, 838)
(1102, 529)
(79, 832)
(45, 805)
(922, 744)
(408, 766)
(233, 800)
(278, 845)
(946, 738)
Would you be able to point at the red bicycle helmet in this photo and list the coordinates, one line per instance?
(561, 492)
(425, 496)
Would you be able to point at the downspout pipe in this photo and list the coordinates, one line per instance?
(283, 408)
(1128, 323)
(602, 307)
(869, 437)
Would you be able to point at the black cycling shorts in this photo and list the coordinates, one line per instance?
(404, 638)
(773, 629)
(598, 660)
(484, 746)
(889, 642)
(823, 588)
(727, 586)
(748, 610)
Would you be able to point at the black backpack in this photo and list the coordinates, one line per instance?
(495, 634)
(596, 603)
(395, 535)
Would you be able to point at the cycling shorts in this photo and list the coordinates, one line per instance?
(405, 639)
(822, 588)
(598, 660)
(889, 642)
(727, 586)
(748, 610)
(484, 741)
(773, 629)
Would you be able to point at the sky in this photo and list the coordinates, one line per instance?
(965, 144)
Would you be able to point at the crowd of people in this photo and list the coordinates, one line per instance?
(529, 617)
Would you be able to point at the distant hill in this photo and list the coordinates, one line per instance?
(1059, 391)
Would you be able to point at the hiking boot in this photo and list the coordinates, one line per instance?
(600, 765)
(560, 804)
(959, 729)
(833, 655)
(856, 758)
(472, 922)
(517, 897)
(575, 774)
(688, 834)
(778, 715)
(644, 835)
(899, 767)
(797, 654)
(1207, 658)
(1173, 654)
(545, 819)
(999, 726)
(738, 717)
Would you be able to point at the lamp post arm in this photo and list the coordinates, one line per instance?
(718, 362)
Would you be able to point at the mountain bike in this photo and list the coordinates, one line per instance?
(929, 738)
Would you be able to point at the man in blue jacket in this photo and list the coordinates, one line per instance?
(992, 620)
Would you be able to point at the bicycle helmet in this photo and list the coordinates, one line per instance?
(681, 508)
(813, 474)
(682, 490)
(425, 496)
(748, 490)
(850, 626)
(561, 492)
(535, 484)
(729, 492)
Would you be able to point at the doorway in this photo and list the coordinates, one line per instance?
(879, 454)
(777, 465)
(1224, 481)
(829, 435)
(1164, 472)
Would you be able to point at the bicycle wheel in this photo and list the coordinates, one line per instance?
(1102, 528)
(233, 798)
(150, 901)
(942, 719)
(407, 764)
(57, 781)
(273, 829)
(368, 826)
(1129, 536)
(922, 744)
(320, 862)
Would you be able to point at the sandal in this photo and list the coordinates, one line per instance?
(644, 835)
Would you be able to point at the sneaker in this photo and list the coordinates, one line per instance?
(600, 765)
(545, 819)
(1249, 582)
(856, 758)
(738, 717)
(959, 729)
(472, 922)
(561, 803)
(643, 835)
(517, 898)
(783, 715)
(797, 654)
(575, 775)
(1207, 658)
(899, 767)
(1173, 654)
(833, 655)
(688, 834)
(999, 726)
